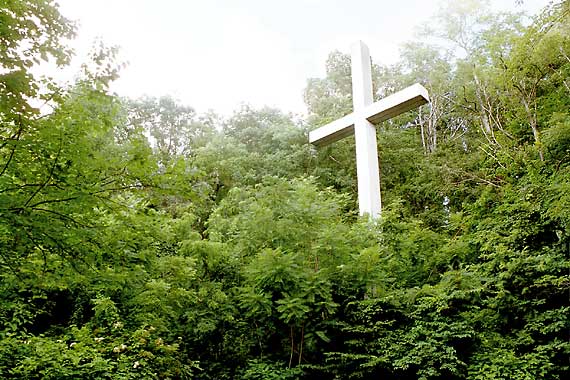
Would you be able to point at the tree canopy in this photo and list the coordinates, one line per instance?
(141, 240)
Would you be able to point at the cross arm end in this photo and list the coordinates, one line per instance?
(402, 101)
(332, 132)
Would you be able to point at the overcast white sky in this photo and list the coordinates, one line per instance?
(218, 54)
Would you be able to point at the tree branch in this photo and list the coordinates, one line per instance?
(15, 137)
(50, 173)
(62, 216)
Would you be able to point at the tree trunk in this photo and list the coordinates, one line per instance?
(487, 128)
(531, 115)
(292, 346)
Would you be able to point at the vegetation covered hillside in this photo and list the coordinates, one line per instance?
(231, 249)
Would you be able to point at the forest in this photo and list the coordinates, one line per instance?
(142, 240)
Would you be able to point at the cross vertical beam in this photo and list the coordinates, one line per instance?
(367, 168)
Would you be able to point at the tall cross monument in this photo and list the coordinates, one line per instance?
(360, 122)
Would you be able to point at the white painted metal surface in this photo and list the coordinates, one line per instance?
(360, 122)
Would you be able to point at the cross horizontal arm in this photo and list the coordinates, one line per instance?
(384, 109)
(395, 104)
(332, 132)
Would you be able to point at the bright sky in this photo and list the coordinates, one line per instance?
(218, 54)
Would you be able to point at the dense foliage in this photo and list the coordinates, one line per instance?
(139, 240)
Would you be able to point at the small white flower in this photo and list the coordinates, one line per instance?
(137, 364)
(72, 344)
(120, 348)
(99, 339)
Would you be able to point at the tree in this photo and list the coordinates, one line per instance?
(211, 252)
(30, 32)
(175, 130)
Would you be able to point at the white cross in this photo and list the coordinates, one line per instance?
(360, 121)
